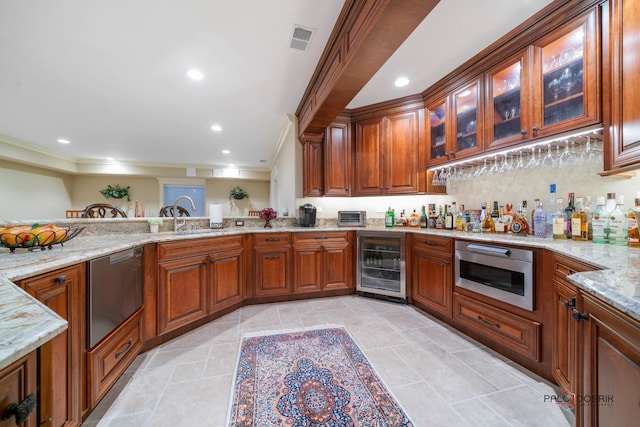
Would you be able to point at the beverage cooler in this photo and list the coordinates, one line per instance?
(381, 265)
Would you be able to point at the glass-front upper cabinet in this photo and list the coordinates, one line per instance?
(566, 81)
(438, 150)
(468, 120)
(507, 110)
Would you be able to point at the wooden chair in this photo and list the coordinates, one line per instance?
(102, 210)
(167, 211)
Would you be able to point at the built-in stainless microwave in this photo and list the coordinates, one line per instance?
(502, 273)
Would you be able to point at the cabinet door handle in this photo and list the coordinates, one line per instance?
(579, 316)
(21, 410)
(523, 131)
(60, 281)
(272, 239)
(480, 318)
(126, 348)
(535, 130)
(570, 304)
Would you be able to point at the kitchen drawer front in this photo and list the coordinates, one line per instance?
(190, 247)
(110, 358)
(434, 243)
(271, 239)
(563, 266)
(313, 237)
(514, 332)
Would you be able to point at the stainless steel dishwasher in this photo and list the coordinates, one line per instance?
(115, 291)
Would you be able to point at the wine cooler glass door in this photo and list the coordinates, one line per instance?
(381, 265)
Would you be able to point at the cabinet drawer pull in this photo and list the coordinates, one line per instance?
(272, 239)
(126, 348)
(428, 243)
(480, 318)
(272, 257)
(321, 237)
(570, 304)
(577, 316)
(20, 410)
(59, 281)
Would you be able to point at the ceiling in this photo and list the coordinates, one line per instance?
(109, 76)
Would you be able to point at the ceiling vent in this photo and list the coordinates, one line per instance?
(300, 37)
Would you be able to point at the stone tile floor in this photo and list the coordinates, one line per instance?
(439, 376)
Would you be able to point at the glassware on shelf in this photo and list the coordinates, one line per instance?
(549, 64)
(554, 88)
(567, 56)
(567, 80)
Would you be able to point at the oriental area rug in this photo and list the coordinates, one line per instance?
(317, 378)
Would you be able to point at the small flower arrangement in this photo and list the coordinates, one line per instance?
(268, 214)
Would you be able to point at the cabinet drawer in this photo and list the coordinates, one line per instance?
(514, 332)
(338, 236)
(563, 266)
(109, 359)
(185, 248)
(271, 239)
(440, 244)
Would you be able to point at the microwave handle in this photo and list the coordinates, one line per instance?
(490, 250)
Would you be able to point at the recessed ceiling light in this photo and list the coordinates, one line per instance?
(402, 81)
(63, 141)
(194, 74)
(216, 128)
(226, 152)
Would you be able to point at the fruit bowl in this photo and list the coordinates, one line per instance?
(31, 237)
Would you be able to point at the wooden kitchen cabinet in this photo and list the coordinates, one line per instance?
(338, 158)
(387, 154)
(18, 391)
(271, 260)
(322, 261)
(61, 361)
(226, 276)
(610, 366)
(620, 77)
(312, 170)
(432, 273)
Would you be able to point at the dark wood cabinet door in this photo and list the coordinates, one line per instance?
(337, 259)
(467, 123)
(225, 275)
(60, 361)
(272, 275)
(611, 366)
(620, 78)
(17, 381)
(369, 168)
(182, 292)
(307, 268)
(401, 153)
(564, 362)
(312, 169)
(432, 280)
(338, 157)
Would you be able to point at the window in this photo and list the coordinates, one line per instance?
(195, 192)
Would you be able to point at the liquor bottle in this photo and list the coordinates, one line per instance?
(632, 223)
(600, 222)
(510, 214)
(558, 221)
(460, 220)
(431, 221)
(402, 221)
(414, 219)
(532, 214)
(587, 211)
(520, 226)
(618, 233)
(495, 213)
(579, 221)
(389, 220)
(440, 219)
(483, 212)
(551, 208)
(488, 225)
(568, 213)
(500, 224)
(422, 219)
(449, 218)
(539, 220)
(610, 204)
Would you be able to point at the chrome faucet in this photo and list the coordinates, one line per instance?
(176, 226)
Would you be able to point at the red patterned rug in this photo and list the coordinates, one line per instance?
(317, 378)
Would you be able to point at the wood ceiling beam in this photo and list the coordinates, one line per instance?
(366, 34)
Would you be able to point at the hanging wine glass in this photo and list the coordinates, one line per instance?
(548, 158)
(520, 163)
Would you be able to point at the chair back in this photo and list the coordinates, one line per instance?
(102, 210)
(167, 211)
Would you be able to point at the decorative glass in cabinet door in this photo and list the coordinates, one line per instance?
(466, 102)
(562, 69)
(506, 102)
(438, 136)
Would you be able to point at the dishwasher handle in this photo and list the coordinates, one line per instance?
(490, 250)
(125, 255)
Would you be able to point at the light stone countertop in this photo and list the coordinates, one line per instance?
(25, 324)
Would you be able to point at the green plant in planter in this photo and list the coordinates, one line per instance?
(116, 192)
(238, 193)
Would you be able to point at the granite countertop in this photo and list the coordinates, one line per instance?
(25, 324)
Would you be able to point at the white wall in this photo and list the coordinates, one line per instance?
(286, 171)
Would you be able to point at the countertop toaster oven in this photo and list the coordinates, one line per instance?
(352, 218)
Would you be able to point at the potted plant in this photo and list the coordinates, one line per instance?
(154, 224)
(238, 193)
(116, 192)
